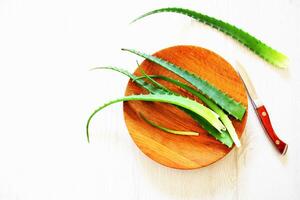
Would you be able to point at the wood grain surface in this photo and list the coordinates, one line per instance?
(182, 152)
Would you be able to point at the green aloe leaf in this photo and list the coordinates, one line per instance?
(227, 103)
(180, 101)
(260, 48)
(157, 84)
(223, 117)
(224, 137)
(190, 133)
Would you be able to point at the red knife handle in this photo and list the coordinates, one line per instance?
(266, 122)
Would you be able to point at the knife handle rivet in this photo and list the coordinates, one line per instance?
(277, 142)
(264, 114)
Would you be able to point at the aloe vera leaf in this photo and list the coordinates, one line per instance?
(266, 52)
(186, 103)
(210, 103)
(223, 100)
(151, 88)
(224, 138)
(190, 133)
(223, 116)
(157, 83)
(156, 125)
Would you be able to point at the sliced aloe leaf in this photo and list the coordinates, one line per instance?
(227, 103)
(183, 102)
(223, 116)
(224, 137)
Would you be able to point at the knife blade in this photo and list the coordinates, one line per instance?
(261, 110)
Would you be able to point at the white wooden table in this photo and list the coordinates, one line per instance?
(47, 93)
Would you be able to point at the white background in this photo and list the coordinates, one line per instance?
(47, 93)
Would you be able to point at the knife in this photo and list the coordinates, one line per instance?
(261, 111)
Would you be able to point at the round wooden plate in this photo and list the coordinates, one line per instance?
(182, 152)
